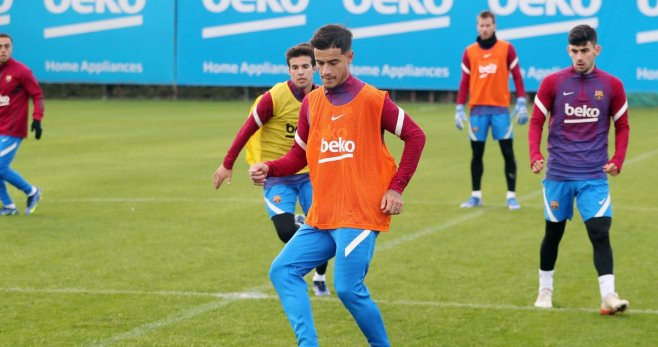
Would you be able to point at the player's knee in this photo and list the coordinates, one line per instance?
(346, 293)
(285, 226)
(598, 229)
(4, 171)
(277, 271)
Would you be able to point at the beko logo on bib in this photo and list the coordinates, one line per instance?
(587, 114)
(485, 70)
(131, 8)
(346, 147)
(4, 100)
(5, 6)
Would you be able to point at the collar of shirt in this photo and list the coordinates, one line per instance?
(344, 92)
(299, 93)
(575, 73)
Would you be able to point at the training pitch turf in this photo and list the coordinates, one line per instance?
(131, 245)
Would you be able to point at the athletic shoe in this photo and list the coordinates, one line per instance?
(32, 202)
(6, 211)
(320, 288)
(612, 304)
(544, 299)
(299, 220)
(473, 201)
(512, 204)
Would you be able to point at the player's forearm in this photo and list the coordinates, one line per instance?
(414, 142)
(518, 81)
(244, 134)
(535, 129)
(463, 88)
(32, 87)
(291, 163)
(622, 132)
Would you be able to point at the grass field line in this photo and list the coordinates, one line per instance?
(180, 316)
(473, 214)
(256, 294)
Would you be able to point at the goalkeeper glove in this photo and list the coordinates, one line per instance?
(460, 116)
(520, 111)
(36, 127)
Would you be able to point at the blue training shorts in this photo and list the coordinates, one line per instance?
(592, 198)
(281, 198)
(501, 127)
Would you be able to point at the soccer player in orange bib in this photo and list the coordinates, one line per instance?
(486, 66)
(356, 187)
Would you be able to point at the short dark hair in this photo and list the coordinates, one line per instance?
(300, 50)
(581, 34)
(5, 35)
(332, 36)
(487, 14)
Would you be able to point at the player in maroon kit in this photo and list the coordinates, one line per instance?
(17, 86)
(582, 101)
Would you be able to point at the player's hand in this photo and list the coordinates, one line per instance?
(221, 175)
(391, 202)
(460, 116)
(36, 128)
(537, 166)
(521, 111)
(258, 173)
(611, 169)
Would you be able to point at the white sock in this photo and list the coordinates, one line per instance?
(33, 191)
(10, 206)
(546, 279)
(318, 277)
(606, 285)
(510, 195)
(477, 194)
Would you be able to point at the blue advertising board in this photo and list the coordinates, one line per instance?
(398, 44)
(409, 44)
(93, 41)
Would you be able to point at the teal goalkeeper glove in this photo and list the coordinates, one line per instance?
(520, 111)
(460, 116)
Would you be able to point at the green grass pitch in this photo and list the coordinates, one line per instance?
(131, 245)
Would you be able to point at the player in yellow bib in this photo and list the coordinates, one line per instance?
(268, 134)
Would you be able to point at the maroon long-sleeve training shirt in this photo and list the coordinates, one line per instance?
(17, 86)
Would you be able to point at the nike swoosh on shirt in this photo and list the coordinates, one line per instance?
(487, 55)
(567, 93)
(333, 118)
(601, 202)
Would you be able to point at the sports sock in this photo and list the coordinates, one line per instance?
(510, 195)
(546, 279)
(606, 285)
(33, 191)
(318, 277)
(477, 194)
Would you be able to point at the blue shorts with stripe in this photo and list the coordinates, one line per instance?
(282, 198)
(500, 124)
(592, 199)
